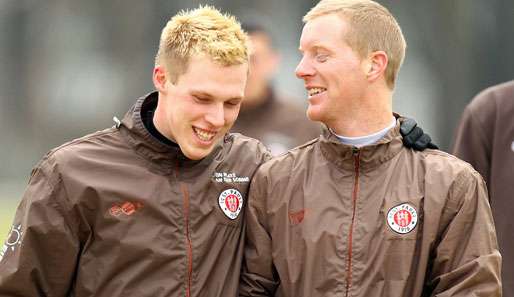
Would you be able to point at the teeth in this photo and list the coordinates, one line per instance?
(204, 135)
(315, 91)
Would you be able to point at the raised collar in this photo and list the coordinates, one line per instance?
(161, 155)
(370, 156)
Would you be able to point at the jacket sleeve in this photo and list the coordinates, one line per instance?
(466, 259)
(40, 254)
(259, 276)
(473, 137)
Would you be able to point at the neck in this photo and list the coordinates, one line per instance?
(159, 121)
(366, 116)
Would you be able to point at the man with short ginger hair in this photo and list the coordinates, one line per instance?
(154, 205)
(355, 213)
(371, 27)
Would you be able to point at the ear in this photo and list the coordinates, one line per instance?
(159, 78)
(378, 62)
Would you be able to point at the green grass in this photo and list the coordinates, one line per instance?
(7, 209)
(10, 195)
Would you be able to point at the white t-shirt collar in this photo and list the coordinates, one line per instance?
(366, 139)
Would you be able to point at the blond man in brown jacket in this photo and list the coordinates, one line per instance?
(153, 206)
(354, 213)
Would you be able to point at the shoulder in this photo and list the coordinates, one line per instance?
(493, 97)
(443, 169)
(84, 148)
(294, 160)
(243, 148)
(441, 161)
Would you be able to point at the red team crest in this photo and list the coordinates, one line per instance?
(231, 203)
(402, 218)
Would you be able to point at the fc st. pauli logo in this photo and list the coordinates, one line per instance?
(402, 218)
(231, 203)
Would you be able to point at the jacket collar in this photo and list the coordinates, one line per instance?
(370, 156)
(161, 155)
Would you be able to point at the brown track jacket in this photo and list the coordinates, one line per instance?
(330, 220)
(485, 139)
(117, 213)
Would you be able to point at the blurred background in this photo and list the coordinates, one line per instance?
(68, 67)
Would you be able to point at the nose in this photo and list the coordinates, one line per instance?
(304, 69)
(216, 115)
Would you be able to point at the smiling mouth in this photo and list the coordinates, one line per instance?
(204, 135)
(315, 91)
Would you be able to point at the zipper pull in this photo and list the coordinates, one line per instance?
(117, 122)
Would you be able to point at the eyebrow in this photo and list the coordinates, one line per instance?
(202, 94)
(209, 96)
(316, 47)
(320, 47)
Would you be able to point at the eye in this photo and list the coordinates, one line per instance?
(233, 103)
(321, 57)
(201, 100)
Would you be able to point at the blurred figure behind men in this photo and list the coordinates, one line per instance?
(485, 138)
(277, 122)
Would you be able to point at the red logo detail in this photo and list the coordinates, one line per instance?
(403, 218)
(232, 203)
(127, 208)
(296, 218)
(115, 210)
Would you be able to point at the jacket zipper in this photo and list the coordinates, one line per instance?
(188, 236)
(356, 157)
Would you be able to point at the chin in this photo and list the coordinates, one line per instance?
(194, 153)
(314, 114)
(198, 155)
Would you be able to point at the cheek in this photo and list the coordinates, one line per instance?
(193, 112)
(231, 115)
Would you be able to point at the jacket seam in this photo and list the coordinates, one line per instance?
(81, 140)
(52, 188)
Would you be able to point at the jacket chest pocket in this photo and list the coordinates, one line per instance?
(227, 204)
(401, 230)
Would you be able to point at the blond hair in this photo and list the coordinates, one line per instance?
(204, 30)
(371, 28)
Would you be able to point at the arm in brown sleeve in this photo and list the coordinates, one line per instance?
(258, 277)
(40, 256)
(473, 137)
(466, 259)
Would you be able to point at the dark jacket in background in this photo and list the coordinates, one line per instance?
(485, 138)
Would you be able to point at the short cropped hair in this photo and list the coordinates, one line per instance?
(204, 30)
(371, 28)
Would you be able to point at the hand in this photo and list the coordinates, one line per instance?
(414, 137)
